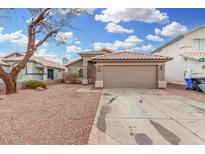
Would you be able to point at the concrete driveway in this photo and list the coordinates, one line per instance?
(139, 116)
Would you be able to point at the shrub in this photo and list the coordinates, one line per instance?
(71, 77)
(33, 84)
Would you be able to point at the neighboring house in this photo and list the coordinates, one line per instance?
(76, 67)
(188, 52)
(111, 69)
(36, 69)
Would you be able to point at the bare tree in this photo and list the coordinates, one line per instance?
(44, 23)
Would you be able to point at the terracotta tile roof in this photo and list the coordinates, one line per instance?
(2, 62)
(200, 56)
(70, 63)
(130, 56)
(42, 61)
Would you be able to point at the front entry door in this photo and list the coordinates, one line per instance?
(50, 74)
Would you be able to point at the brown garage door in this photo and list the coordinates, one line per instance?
(130, 76)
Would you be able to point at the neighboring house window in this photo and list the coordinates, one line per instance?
(198, 45)
(80, 73)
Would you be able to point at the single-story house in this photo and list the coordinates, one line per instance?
(36, 69)
(111, 69)
(188, 52)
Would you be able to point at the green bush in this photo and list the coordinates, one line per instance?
(33, 84)
(71, 77)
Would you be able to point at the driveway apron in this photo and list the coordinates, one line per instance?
(146, 117)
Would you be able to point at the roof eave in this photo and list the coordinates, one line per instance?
(31, 60)
(90, 54)
(55, 67)
(132, 60)
(67, 65)
(168, 43)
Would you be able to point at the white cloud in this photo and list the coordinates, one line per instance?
(21, 39)
(63, 11)
(128, 43)
(146, 15)
(101, 45)
(1, 29)
(154, 38)
(43, 53)
(172, 29)
(29, 20)
(143, 48)
(87, 50)
(73, 48)
(64, 37)
(114, 28)
(15, 37)
(77, 42)
(147, 48)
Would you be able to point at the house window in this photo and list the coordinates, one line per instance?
(80, 73)
(198, 45)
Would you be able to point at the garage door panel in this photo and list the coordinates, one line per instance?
(129, 76)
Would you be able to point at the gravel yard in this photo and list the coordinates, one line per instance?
(58, 115)
(180, 90)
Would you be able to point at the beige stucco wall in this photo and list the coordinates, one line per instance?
(77, 64)
(99, 70)
(174, 69)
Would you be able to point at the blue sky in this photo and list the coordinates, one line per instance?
(136, 30)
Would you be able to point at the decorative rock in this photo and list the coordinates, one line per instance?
(40, 89)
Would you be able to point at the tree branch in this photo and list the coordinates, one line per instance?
(45, 38)
(3, 73)
(40, 17)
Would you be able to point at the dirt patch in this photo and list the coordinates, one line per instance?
(143, 139)
(155, 93)
(165, 133)
(101, 123)
(111, 100)
(107, 94)
(181, 91)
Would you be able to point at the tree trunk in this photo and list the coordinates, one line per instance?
(11, 86)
